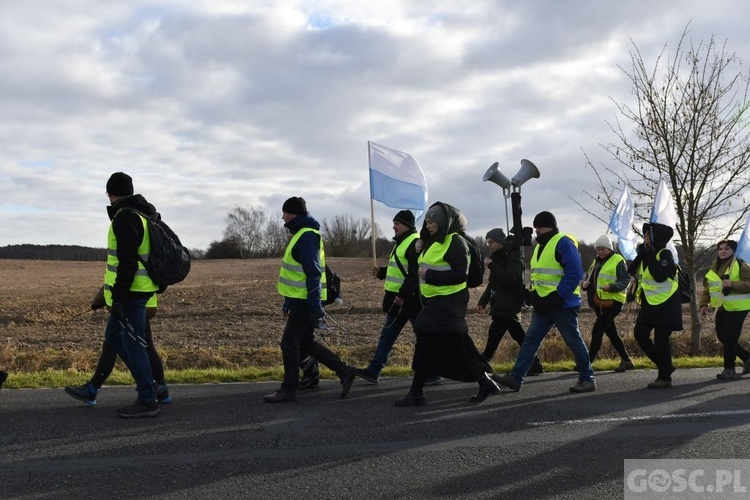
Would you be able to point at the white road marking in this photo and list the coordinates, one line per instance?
(640, 418)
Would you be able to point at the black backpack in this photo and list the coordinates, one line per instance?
(475, 277)
(169, 260)
(333, 287)
(684, 286)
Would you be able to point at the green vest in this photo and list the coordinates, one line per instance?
(292, 278)
(142, 282)
(607, 276)
(546, 272)
(656, 293)
(394, 278)
(733, 301)
(433, 259)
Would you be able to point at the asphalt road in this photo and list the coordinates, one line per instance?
(221, 441)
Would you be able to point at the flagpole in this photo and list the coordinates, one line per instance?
(372, 208)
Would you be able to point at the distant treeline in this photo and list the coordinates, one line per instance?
(53, 252)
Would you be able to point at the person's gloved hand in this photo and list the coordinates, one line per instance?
(118, 311)
(319, 318)
(98, 301)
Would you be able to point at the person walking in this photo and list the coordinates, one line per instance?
(505, 295)
(605, 285)
(128, 287)
(444, 347)
(3, 377)
(726, 288)
(401, 299)
(302, 282)
(658, 295)
(556, 271)
(108, 357)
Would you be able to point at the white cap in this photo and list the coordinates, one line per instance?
(603, 241)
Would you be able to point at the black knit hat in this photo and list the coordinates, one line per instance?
(405, 217)
(120, 184)
(545, 219)
(295, 205)
(497, 235)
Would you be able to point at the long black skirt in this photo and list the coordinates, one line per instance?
(450, 356)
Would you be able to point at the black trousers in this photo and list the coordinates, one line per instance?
(728, 331)
(659, 351)
(605, 324)
(108, 358)
(297, 342)
(497, 330)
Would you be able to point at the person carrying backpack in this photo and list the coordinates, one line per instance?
(726, 288)
(444, 346)
(504, 295)
(127, 288)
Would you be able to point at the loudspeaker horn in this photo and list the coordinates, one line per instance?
(528, 171)
(494, 175)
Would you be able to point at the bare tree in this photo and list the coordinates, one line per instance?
(689, 127)
(346, 236)
(244, 225)
(275, 239)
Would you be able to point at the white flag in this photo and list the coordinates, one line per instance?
(743, 246)
(621, 225)
(665, 213)
(396, 179)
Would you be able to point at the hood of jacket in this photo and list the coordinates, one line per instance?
(660, 234)
(136, 202)
(455, 223)
(301, 222)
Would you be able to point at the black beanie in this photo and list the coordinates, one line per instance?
(497, 235)
(545, 219)
(295, 205)
(405, 217)
(120, 184)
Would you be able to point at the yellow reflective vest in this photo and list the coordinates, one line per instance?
(607, 276)
(142, 282)
(733, 301)
(394, 278)
(433, 258)
(292, 281)
(655, 292)
(546, 272)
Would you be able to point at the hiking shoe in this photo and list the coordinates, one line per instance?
(280, 396)
(745, 367)
(85, 393)
(411, 399)
(433, 380)
(366, 374)
(309, 383)
(162, 394)
(536, 368)
(3, 377)
(624, 366)
(347, 379)
(583, 386)
(660, 384)
(139, 409)
(727, 375)
(507, 381)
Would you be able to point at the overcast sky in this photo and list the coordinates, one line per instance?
(214, 104)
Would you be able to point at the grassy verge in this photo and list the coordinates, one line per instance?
(56, 378)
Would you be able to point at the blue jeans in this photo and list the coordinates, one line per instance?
(131, 346)
(566, 321)
(388, 335)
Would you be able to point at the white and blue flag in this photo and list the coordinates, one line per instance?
(396, 179)
(665, 213)
(621, 225)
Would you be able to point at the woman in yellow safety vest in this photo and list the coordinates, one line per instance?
(605, 285)
(444, 347)
(726, 288)
(660, 304)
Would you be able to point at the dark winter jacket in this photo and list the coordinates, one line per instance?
(409, 291)
(446, 314)
(669, 313)
(307, 252)
(504, 292)
(128, 229)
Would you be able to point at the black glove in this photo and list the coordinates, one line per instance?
(319, 318)
(118, 311)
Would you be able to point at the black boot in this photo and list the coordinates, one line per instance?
(487, 387)
(536, 367)
(412, 399)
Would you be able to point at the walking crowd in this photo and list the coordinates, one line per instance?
(426, 285)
